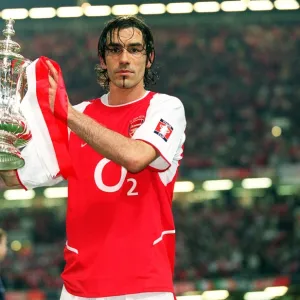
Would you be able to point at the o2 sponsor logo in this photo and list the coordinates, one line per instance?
(98, 177)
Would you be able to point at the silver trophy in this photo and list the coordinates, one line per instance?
(14, 132)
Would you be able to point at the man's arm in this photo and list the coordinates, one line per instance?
(10, 178)
(131, 154)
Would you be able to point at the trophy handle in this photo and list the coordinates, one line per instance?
(22, 84)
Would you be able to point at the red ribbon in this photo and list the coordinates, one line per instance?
(57, 122)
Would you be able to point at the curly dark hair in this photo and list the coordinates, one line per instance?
(118, 24)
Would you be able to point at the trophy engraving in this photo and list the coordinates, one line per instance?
(14, 132)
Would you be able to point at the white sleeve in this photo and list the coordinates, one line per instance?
(163, 128)
(34, 173)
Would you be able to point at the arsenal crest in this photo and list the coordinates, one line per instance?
(135, 124)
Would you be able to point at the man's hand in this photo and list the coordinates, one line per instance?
(10, 178)
(53, 81)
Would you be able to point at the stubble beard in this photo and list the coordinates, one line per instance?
(125, 83)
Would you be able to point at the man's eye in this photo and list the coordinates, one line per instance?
(114, 50)
(135, 50)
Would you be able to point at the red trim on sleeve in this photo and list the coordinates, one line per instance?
(157, 150)
(19, 179)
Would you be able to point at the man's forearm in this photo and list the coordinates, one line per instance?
(131, 154)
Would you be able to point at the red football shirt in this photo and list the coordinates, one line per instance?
(120, 229)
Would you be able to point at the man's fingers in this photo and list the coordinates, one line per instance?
(52, 82)
(53, 71)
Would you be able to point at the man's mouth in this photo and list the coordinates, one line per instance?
(124, 72)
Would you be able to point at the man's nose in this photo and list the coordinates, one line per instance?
(124, 57)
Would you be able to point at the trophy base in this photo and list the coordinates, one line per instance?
(9, 161)
(10, 156)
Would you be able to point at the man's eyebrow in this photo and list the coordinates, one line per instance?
(135, 44)
(112, 44)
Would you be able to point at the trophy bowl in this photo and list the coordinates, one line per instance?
(14, 132)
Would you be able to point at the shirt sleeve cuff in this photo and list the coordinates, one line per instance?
(161, 163)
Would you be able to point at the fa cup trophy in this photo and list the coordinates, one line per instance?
(14, 132)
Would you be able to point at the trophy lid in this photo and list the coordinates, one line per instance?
(8, 47)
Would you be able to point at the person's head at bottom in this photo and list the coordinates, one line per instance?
(3, 244)
(126, 53)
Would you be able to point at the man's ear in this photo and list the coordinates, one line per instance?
(102, 63)
(150, 60)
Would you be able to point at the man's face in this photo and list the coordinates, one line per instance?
(126, 58)
(3, 247)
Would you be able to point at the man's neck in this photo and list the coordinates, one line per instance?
(119, 96)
